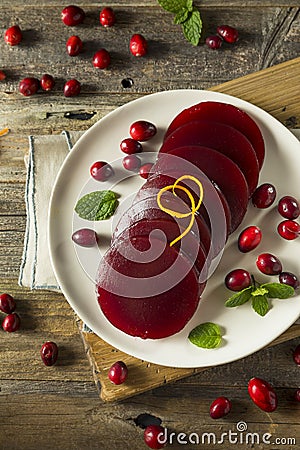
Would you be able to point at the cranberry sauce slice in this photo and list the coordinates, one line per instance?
(153, 299)
(219, 169)
(227, 114)
(220, 137)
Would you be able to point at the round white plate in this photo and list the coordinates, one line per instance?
(244, 331)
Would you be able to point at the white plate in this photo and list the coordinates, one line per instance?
(244, 332)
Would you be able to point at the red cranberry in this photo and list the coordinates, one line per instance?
(264, 196)
(118, 372)
(29, 86)
(7, 303)
(296, 355)
(141, 130)
(229, 34)
(74, 45)
(262, 394)
(2, 75)
(268, 264)
(72, 88)
(49, 353)
(11, 322)
(297, 395)
(107, 17)
(289, 207)
(238, 279)
(138, 45)
(249, 239)
(13, 35)
(101, 59)
(155, 436)
(213, 42)
(85, 237)
(289, 229)
(101, 171)
(47, 82)
(290, 279)
(72, 15)
(145, 170)
(131, 146)
(220, 407)
(131, 162)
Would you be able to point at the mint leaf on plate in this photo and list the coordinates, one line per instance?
(174, 6)
(206, 335)
(260, 304)
(181, 16)
(261, 290)
(278, 290)
(192, 27)
(239, 298)
(98, 205)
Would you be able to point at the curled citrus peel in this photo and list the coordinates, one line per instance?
(194, 207)
(4, 131)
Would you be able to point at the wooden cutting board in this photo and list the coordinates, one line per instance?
(277, 91)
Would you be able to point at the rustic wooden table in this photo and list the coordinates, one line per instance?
(59, 407)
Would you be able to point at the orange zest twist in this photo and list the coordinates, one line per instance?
(194, 207)
(4, 131)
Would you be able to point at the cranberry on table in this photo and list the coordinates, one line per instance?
(268, 264)
(47, 82)
(2, 75)
(264, 196)
(145, 170)
(138, 45)
(220, 407)
(288, 207)
(29, 86)
(101, 59)
(131, 162)
(72, 88)
(107, 17)
(262, 394)
(49, 353)
(228, 33)
(297, 395)
(214, 42)
(118, 372)
(142, 130)
(289, 229)
(7, 303)
(290, 279)
(130, 146)
(74, 45)
(11, 323)
(238, 279)
(155, 436)
(13, 35)
(296, 355)
(72, 15)
(101, 171)
(85, 237)
(249, 238)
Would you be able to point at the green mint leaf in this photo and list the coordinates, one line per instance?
(98, 205)
(260, 304)
(239, 298)
(261, 290)
(206, 335)
(181, 16)
(192, 27)
(173, 6)
(278, 290)
(189, 5)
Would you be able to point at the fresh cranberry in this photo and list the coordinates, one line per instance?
(72, 15)
(297, 395)
(289, 229)
(142, 130)
(138, 45)
(2, 75)
(107, 17)
(7, 303)
(238, 279)
(74, 45)
(13, 35)
(264, 196)
(101, 171)
(220, 407)
(213, 42)
(296, 355)
(118, 372)
(289, 207)
(101, 59)
(249, 239)
(262, 394)
(290, 279)
(85, 237)
(155, 436)
(49, 353)
(145, 170)
(229, 34)
(11, 322)
(47, 82)
(29, 86)
(268, 264)
(131, 162)
(131, 146)
(72, 88)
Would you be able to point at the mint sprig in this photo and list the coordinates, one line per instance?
(206, 335)
(98, 205)
(186, 15)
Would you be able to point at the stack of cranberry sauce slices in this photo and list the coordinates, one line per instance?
(166, 244)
